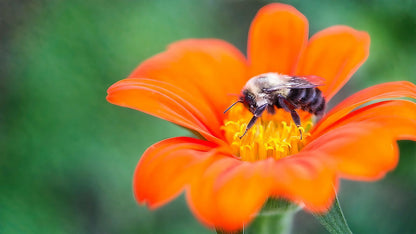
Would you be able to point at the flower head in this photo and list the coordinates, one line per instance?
(226, 178)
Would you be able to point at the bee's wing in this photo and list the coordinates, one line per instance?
(304, 82)
(298, 82)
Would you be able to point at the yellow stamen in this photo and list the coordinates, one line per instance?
(272, 136)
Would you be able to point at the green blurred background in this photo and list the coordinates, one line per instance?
(67, 156)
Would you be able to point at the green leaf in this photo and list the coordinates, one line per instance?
(334, 220)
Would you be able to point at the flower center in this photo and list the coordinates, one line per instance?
(272, 136)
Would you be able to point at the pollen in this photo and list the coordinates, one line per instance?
(272, 136)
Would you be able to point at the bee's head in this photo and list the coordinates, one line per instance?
(249, 100)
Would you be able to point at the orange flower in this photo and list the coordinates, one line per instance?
(227, 179)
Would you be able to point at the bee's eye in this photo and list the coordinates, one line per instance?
(250, 98)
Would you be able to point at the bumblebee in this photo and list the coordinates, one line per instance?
(270, 90)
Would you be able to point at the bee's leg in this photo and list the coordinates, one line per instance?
(259, 111)
(290, 108)
(271, 109)
(249, 125)
(296, 119)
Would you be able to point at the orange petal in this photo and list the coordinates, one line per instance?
(211, 71)
(200, 195)
(165, 101)
(229, 194)
(167, 166)
(396, 116)
(334, 54)
(362, 145)
(397, 89)
(277, 35)
(297, 178)
(357, 151)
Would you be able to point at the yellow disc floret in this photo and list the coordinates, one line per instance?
(272, 136)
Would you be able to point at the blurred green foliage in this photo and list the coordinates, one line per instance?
(67, 156)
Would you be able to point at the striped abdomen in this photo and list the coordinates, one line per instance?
(308, 99)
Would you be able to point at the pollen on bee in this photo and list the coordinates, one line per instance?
(272, 136)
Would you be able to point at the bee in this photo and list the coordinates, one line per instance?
(270, 90)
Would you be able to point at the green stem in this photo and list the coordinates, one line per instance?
(280, 223)
(275, 218)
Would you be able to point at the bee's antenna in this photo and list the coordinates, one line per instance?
(231, 106)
